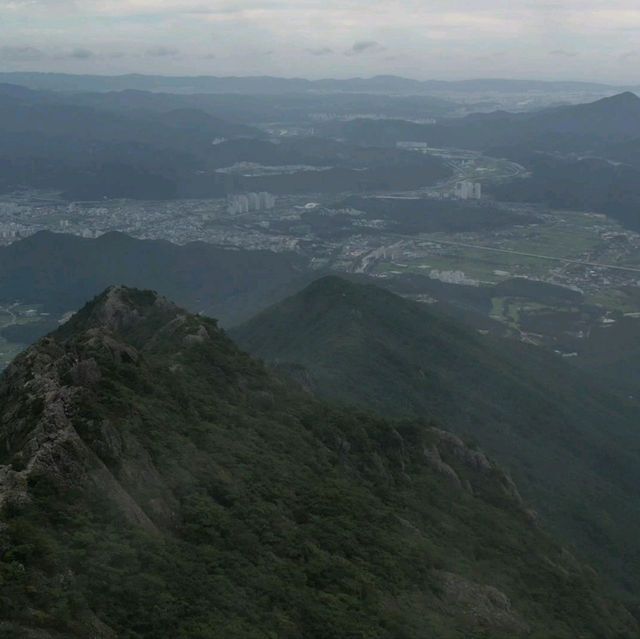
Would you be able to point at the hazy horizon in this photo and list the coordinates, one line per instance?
(336, 77)
(579, 41)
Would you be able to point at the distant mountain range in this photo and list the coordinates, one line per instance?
(145, 145)
(50, 114)
(303, 109)
(579, 184)
(155, 482)
(92, 153)
(583, 157)
(574, 128)
(274, 85)
(572, 446)
(148, 146)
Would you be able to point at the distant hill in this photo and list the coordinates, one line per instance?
(598, 144)
(25, 111)
(157, 483)
(616, 117)
(59, 271)
(307, 109)
(583, 184)
(91, 153)
(576, 128)
(274, 85)
(148, 146)
(572, 447)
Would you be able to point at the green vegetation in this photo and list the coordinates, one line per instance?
(157, 483)
(531, 250)
(571, 446)
(60, 272)
(615, 299)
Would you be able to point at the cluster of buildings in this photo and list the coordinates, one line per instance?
(246, 202)
(468, 190)
(423, 147)
(10, 232)
(452, 277)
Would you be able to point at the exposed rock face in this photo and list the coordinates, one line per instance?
(484, 606)
(42, 438)
(432, 455)
(86, 373)
(45, 441)
(448, 451)
(475, 460)
(38, 436)
(117, 312)
(199, 337)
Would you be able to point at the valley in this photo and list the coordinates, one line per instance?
(318, 358)
(394, 236)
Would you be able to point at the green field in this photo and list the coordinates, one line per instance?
(614, 299)
(475, 264)
(529, 251)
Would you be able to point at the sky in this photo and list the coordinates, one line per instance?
(595, 40)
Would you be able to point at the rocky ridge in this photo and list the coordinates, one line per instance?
(139, 431)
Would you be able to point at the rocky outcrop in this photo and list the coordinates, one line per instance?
(434, 460)
(485, 607)
(450, 451)
(200, 336)
(43, 393)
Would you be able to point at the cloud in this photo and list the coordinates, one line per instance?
(21, 54)
(561, 53)
(15, 5)
(320, 38)
(365, 46)
(162, 52)
(80, 53)
(320, 51)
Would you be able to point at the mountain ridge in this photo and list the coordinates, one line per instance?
(183, 491)
(571, 128)
(273, 84)
(554, 428)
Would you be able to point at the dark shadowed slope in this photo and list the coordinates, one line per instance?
(573, 448)
(157, 483)
(62, 271)
(49, 141)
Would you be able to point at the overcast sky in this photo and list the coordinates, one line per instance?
(561, 39)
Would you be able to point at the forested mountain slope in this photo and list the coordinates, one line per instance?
(573, 447)
(156, 482)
